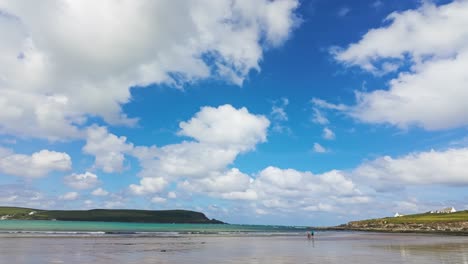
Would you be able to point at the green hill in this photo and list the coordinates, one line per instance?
(139, 216)
(423, 218)
(427, 222)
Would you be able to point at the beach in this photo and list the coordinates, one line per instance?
(325, 247)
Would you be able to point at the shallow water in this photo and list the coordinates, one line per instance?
(84, 227)
(326, 247)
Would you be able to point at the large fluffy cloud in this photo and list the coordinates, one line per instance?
(276, 182)
(434, 41)
(187, 159)
(227, 127)
(220, 133)
(108, 149)
(289, 190)
(148, 185)
(274, 189)
(231, 184)
(420, 168)
(201, 165)
(63, 61)
(36, 165)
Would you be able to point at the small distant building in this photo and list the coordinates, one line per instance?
(32, 213)
(447, 210)
(398, 215)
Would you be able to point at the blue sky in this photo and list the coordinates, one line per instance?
(268, 112)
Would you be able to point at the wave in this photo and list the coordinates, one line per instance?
(53, 232)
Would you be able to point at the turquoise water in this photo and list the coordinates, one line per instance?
(25, 226)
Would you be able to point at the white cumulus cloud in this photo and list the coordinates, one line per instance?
(187, 159)
(446, 167)
(64, 61)
(108, 149)
(37, 165)
(289, 190)
(226, 126)
(148, 186)
(231, 185)
(220, 133)
(431, 94)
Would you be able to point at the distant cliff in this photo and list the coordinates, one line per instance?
(456, 223)
(136, 216)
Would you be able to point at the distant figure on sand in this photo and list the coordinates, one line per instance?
(310, 234)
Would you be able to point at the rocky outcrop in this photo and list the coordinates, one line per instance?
(384, 226)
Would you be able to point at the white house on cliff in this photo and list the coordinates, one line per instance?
(447, 210)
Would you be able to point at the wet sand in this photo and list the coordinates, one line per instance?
(326, 247)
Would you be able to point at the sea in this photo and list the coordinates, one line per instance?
(111, 242)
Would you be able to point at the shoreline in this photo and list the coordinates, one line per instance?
(393, 231)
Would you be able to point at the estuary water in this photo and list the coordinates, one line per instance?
(156, 243)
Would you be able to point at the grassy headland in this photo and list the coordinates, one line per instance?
(456, 223)
(139, 216)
